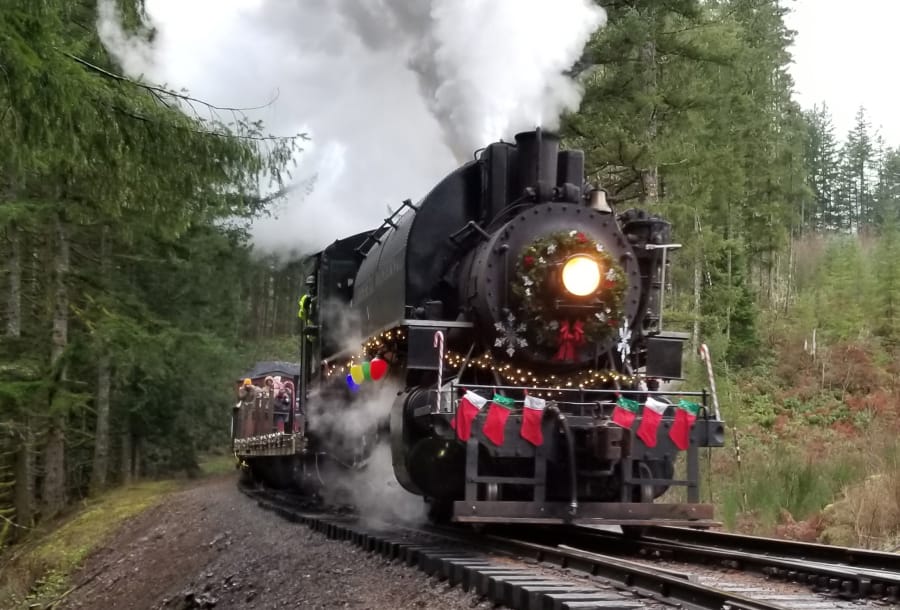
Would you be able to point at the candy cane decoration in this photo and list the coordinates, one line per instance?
(704, 355)
(439, 344)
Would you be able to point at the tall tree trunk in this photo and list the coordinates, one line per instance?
(270, 301)
(730, 306)
(24, 491)
(273, 302)
(137, 465)
(101, 434)
(698, 285)
(789, 291)
(262, 312)
(53, 491)
(126, 457)
(14, 306)
(650, 174)
(60, 336)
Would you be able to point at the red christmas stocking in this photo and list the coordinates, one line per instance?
(685, 416)
(531, 420)
(497, 415)
(468, 409)
(625, 412)
(650, 418)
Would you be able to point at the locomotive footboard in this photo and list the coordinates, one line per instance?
(589, 513)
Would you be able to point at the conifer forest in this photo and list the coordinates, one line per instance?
(131, 297)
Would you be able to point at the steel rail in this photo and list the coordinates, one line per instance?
(510, 586)
(822, 567)
(859, 558)
(662, 585)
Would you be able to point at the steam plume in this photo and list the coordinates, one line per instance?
(486, 68)
(355, 434)
(394, 93)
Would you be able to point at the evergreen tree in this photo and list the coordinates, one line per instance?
(859, 171)
(822, 161)
(111, 199)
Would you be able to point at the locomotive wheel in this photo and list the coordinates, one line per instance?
(643, 494)
(439, 511)
(400, 442)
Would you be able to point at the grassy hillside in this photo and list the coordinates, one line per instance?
(817, 414)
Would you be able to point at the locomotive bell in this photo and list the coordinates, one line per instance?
(597, 201)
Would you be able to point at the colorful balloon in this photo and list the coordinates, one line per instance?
(378, 368)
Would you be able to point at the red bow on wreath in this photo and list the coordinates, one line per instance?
(569, 339)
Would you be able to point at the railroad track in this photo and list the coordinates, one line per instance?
(518, 573)
(838, 571)
(859, 558)
(846, 572)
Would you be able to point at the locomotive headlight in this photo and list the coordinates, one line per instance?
(581, 275)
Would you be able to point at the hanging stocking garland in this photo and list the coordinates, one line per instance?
(469, 407)
(532, 416)
(685, 416)
(498, 413)
(650, 419)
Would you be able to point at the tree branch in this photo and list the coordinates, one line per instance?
(158, 90)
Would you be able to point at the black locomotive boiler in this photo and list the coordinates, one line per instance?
(518, 317)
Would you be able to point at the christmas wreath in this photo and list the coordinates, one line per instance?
(536, 295)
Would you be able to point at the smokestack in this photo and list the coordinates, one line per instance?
(536, 153)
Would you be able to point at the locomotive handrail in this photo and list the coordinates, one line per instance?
(380, 231)
(662, 280)
(473, 386)
(468, 228)
(452, 402)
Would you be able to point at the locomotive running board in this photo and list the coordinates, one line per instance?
(589, 513)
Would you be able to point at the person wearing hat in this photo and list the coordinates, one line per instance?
(247, 391)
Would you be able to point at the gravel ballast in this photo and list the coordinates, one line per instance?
(211, 546)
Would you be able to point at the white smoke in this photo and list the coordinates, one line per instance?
(349, 424)
(376, 492)
(394, 93)
(356, 463)
(487, 68)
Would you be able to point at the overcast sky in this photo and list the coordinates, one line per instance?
(845, 54)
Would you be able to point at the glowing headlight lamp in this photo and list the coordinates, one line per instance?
(581, 275)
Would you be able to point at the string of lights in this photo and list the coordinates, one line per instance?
(511, 374)
(516, 375)
(368, 349)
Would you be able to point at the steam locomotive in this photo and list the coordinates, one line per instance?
(510, 321)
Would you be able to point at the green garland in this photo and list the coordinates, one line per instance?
(535, 295)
